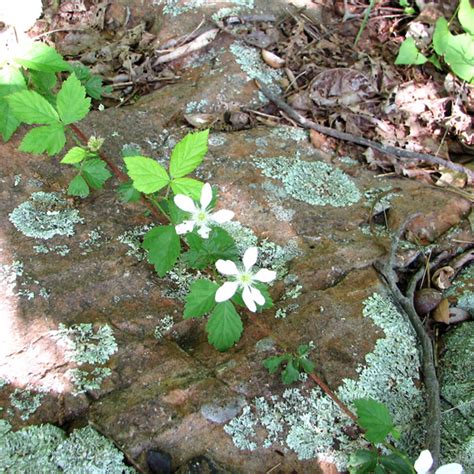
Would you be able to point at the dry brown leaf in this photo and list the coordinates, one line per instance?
(441, 312)
(272, 59)
(451, 178)
(442, 277)
(200, 120)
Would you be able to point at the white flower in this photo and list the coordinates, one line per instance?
(243, 279)
(425, 461)
(200, 216)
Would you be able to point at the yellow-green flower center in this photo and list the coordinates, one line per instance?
(245, 278)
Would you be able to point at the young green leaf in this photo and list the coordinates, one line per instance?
(363, 461)
(201, 299)
(466, 16)
(394, 463)
(49, 138)
(204, 252)
(148, 176)
(74, 155)
(32, 108)
(71, 102)
(459, 54)
(306, 364)
(224, 326)
(95, 173)
(163, 246)
(95, 88)
(78, 187)
(187, 186)
(374, 418)
(441, 36)
(188, 154)
(290, 374)
(409, 54)
(40, 57)
(128, 193)
(43, 81)
(11, 80)
(272, 363)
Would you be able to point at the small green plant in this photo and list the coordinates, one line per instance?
(294, 364)
(456, 51)
(407, 7)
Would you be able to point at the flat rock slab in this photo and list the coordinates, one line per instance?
(168, 390)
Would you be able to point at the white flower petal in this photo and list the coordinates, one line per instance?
(257, 296)
(248, 299)
(452, 468)
(424, 462)
(250, 257)
(185, 203)
(184, 227)
(204, 231)
(206, 195)
(227, 267)
(222, 216)
(265, 276)
(226, 291)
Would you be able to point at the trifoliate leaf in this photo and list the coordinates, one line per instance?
(204, 252)
(95, 173)
(272, 363)
(41, 57)
(128, 193)
(50, 139)
(188, 154)
(466, 16)
(441, 36)
(147, 175)
(163, 246)
(74, 155)
(32, 108)
(187, 186)
(290, 374)
(459, 54)
(201, 299)
(362, 461)
(78, 187)
(409, 54)
(71, 102)
(374, 418)
(224, 326)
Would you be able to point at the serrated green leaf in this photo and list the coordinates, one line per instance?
(393, 463)
(303, 349)
(78, 187)
(306, 364)
(128, 193)
(163, 247)
(95, 173)
(32, 108)
(49, 138)
(187, 186)
(466, 16)
(224, 326)
(74, 155)
(147, 175)
(290, 374)
(374, 418)
(71, 102)
(8, 122)
(41, 57)
(409, 54)
(188, 154)
(43, 81)
(362, 461)
(204, 252)
(272, 363)
(11, 80)
(441, 36)
(200, 299)
(95, 88)
(82, 72)
(459, 55)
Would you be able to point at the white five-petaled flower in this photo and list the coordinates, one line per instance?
(244, 279)
(425, 461)
(200, 216)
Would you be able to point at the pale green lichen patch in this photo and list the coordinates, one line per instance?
(86, 346)
(133, 239)
(46, 449)
(26, 401)
(164, 326)
(86, 381)
(290, 133)
(94, 241)
(178, 7)
(457, 391)
(309, 423)
(45, 215)
(315, 182)
(61, 250)
(463, 289)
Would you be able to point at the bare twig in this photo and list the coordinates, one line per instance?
(405, 302)
(386, 149)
